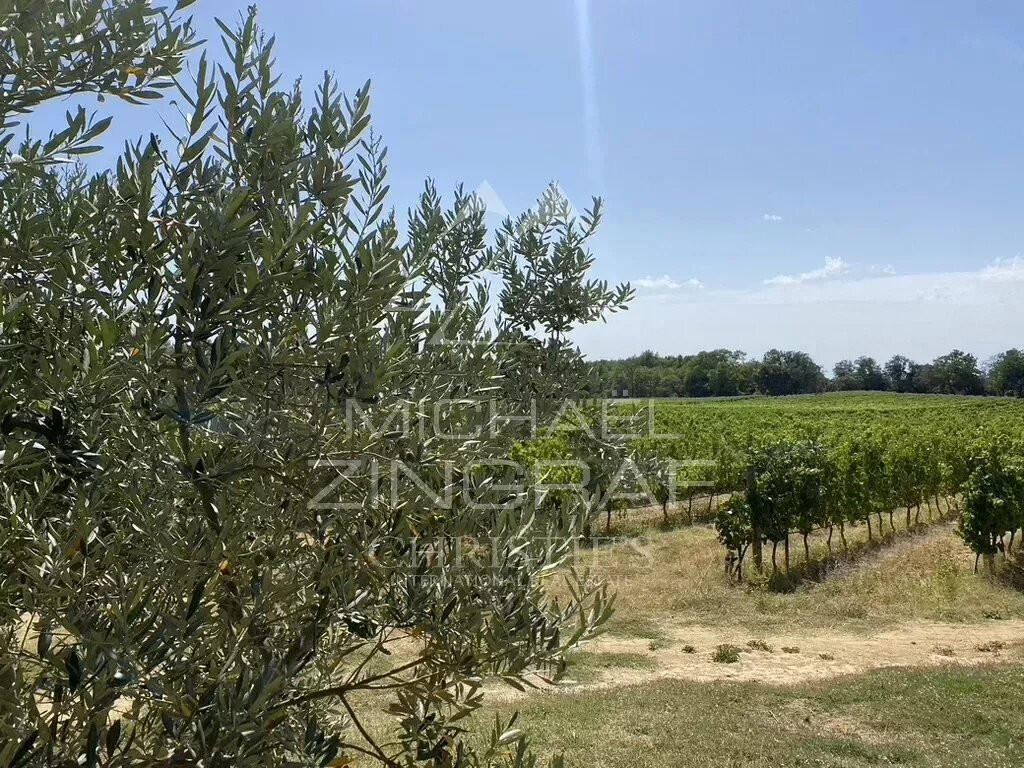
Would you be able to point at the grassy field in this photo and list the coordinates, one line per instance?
(918, 717)
(676, 577)
(900, 655)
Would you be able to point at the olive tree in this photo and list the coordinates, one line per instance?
(251, 473)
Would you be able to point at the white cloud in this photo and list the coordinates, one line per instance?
(834, 267)
(1005, 269)
(857, 312)
(885, 269)
(772, 217)
(666, 283)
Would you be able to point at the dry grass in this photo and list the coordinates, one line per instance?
(677, 578)
(935, 717)
(587, 667)
(652, 679)
(641, 520)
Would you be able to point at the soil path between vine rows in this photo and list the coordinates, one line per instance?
(787, 658)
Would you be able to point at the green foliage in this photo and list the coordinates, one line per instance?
(726, 373)
(839, 459)
(203, 556)
(993, 499)
(51, 49)
(717, 373)
(1006, 376)
(789, 373)
(864, 374)
(733, 524)
(801, 485)
(900, 373)
(956, 372)
(726, 654)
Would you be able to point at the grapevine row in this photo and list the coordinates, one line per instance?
(821, 464)
(799, 486)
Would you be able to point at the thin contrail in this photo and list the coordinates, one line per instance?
(592, 132)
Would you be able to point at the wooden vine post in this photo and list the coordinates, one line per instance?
(755, 527)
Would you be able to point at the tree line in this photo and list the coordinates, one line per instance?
(726, 373)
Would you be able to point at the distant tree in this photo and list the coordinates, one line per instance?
(643, 381)
(844, 376)
(789, 373)
(1006, 374)
(724, 380)
(899, 373)
(697, 382)
(723, 372)
(869, 374)
(957, 373)
(922, 378)
(718, 372)
(746, 376)
(647, 359)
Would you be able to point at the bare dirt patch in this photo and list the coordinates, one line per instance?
(812, 656)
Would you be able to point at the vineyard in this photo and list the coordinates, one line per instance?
(790, 467)
(891, 504)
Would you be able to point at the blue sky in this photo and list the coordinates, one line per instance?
(841, 177)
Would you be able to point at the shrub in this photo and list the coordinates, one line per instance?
(726, 654)
(993, 646)
(208, 563)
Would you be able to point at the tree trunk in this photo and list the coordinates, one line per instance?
(711, 499)
(892, 525)
(828, 541)
(775, 565)
(977, 556)
(755, 530)
(787, 552)
(842, 535)
(1009, 547)
(608, 520)
(869, 528)
(917, 514)
(807, 550)
(908, 517)
(664, 511)
(689, 509)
